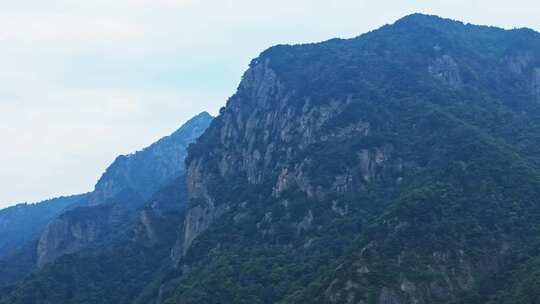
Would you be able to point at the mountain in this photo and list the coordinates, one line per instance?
(400, 166)
(37, 234)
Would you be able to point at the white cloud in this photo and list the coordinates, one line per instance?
(82, 81)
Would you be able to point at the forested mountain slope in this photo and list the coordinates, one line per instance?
(400, 166)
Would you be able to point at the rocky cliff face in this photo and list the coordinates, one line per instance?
(23, 223)
(259, 133)
(536, 83)
(78, 228)
(263, 136)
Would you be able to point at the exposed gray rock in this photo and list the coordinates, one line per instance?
(306, 223)
(200, 216)
(76, 229)
(446, 69)
(536, 83)
(262, 144)
(388, 296)
(519, 63)
(198, 220)
(23, 223)
(450, 274)
(146, 220)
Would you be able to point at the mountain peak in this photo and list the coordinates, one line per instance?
(441, 23)
(201, 116)
(201, 120)
(429, 21)
(421, 17)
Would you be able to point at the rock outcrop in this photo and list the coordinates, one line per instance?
(79, 228)
(23, 223)
(261, 136)
(446, 69)
(536, 83)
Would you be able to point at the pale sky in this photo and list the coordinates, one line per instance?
(83, 81)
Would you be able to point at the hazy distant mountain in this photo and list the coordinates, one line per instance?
(44, 231)
(126, 185)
